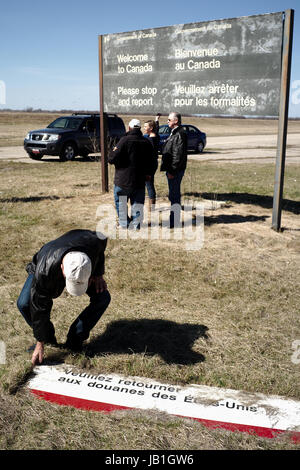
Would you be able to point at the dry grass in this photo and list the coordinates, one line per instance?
(225, 315)
(14, 126)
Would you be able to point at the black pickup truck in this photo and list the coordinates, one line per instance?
(68, 136)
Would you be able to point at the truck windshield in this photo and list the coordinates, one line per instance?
(65, 123)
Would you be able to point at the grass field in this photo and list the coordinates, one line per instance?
(225, 315)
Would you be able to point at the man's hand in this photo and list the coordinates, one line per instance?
(100, 284)
(38, 354)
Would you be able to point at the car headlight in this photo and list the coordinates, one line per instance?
(28, 136)
(53, 137)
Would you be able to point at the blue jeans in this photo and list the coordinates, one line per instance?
(81, 327)
(23, 302)
(137, 199)
(174, 193)
(151, 188)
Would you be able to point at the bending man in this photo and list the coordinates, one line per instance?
(74, 261)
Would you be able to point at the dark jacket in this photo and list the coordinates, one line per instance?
(133, 158)
(49, 282)
(174, 152)
(155, 144)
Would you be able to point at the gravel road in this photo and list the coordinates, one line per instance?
(237, 149)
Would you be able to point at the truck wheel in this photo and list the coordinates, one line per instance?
(200, 147)
(68, 152)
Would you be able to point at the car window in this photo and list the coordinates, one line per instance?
(192, 130)
(164, 129)
(116, 124)
(90, 125)
(65, 123)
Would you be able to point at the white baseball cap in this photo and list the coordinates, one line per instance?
(77, 269)
(134, 123)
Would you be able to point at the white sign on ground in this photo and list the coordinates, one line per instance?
(256, 413)
(2, 353)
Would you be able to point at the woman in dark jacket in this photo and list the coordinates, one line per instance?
(151, 132)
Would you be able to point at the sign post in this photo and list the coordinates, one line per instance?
(283, 118)
(103, 128)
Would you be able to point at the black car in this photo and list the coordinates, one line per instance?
(196, 138)
(68, 136)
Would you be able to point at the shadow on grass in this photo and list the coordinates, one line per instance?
(232, 219)
(171, 341)
(34, 198)
(247, 198)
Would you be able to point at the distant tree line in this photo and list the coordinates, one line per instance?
(39, 110)
(84, 111)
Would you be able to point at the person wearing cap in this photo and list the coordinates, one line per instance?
(134, 160)
(74, 261)
(174, 161)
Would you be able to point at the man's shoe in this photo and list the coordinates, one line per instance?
(75, 346)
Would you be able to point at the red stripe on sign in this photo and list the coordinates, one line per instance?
(250, 429)
(78, 402)
(108, 407)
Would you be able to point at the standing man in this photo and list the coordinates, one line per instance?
(174, 160)
(74, 261)
(134, 162)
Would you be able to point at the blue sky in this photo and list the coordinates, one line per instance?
(49, 50)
